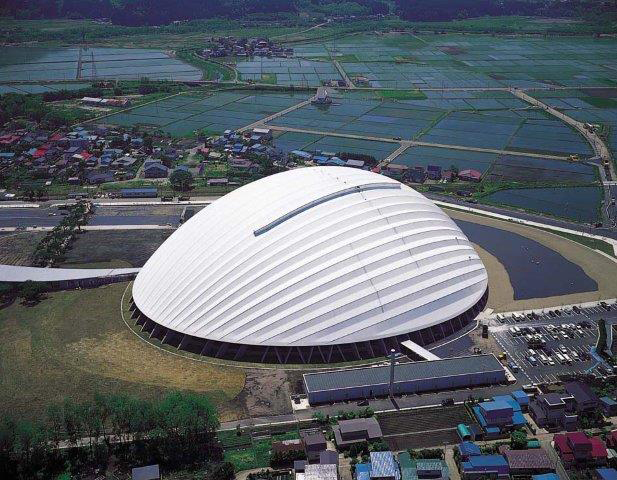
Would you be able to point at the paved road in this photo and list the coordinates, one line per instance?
(343, 73)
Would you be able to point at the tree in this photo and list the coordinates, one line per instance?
(518, 440)
(31, 291)
(181, 180)
(222, 471)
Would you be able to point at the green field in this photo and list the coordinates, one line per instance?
(74, 344)
(257, 455)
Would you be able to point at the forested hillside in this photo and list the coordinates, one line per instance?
(162, 12)
(443, 10)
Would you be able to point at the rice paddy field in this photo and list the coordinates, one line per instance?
(60, 63)
(576, 203)
(288, 71)
(182, 114)
(403, 60)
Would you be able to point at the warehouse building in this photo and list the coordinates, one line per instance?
(427, 376)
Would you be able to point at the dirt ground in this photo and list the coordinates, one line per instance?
(266, 392)
(501, 294)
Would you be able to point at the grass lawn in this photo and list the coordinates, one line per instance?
(400, 94)
(258, 454)
(75, 344)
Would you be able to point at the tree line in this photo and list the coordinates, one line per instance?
(164, 12)
(175, 431)
(445, 10)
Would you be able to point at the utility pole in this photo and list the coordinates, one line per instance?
(392, 362)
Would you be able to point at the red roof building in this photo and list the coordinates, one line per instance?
(470, 175)
(611, 439)
(577, 448)
(9, 139)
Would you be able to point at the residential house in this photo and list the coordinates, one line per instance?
(611, 439)
(585, 398)
(500, 415)
(155, 169)
(363, 471)
(317, 471)
(470, 175)
(434, 469)
(575, 448)
(468, 449)
(96, 178)
(348, 432)
(354, 163)
(608, 406)
(433, 172)
(554, 411)
(314, 444)
(482, 466)
(217, 182)
(522, 399)
(530, 461)
(328, 457)
(546, 476)
(384, 466)
(605, 474)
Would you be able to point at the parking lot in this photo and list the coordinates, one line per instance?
(551, 344)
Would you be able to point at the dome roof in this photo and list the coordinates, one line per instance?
(312, 256)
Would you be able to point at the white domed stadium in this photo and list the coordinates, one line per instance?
(313, 265)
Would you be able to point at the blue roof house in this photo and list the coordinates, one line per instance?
(384, 466)
(606, 474)
(468, 449)
(482, 465)
(545, 476)
(363, 471)
(521, 398)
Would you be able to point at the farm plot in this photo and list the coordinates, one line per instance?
(43, 63)
(183, 114)
(286, 71)
(434, 61)
(475, 129)
(510, 168)
(410, 75)
(580, 204)
(363, 117)
(549, 136)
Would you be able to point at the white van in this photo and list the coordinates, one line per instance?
(561, 358)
